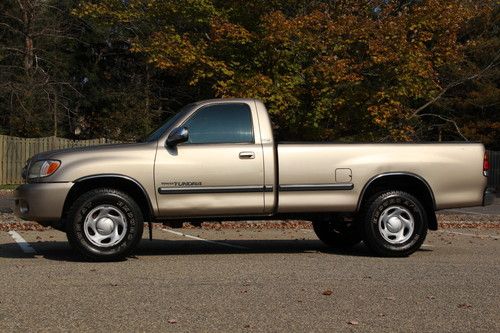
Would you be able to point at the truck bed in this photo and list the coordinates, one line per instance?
(333, 175)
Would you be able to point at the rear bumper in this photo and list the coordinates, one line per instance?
(41, 202)
(489, 196)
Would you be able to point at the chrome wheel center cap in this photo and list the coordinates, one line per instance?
(105, 226)
(394, 224)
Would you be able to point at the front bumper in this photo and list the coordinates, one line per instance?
(41, 202)
(489, 196)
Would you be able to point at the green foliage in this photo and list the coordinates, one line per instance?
(328, 70)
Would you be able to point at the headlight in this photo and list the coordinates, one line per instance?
(41, 169)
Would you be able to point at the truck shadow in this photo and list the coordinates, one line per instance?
(61, 251)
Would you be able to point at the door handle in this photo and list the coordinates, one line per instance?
(247, 155)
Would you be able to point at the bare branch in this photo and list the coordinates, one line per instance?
(456, 83)
(14, 30)
(447, 120)
(17, 19)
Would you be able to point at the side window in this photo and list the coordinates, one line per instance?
(222, 123)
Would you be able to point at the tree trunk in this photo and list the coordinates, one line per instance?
(55, 109)
(27, 15)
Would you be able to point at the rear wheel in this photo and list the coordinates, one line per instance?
(394, 223)
(337, 231)
(104, 224)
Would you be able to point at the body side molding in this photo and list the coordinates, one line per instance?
(214, 189)
(316, 187)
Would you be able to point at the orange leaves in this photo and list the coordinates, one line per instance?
(323, 67)
(222, 31)
(383, 112)
(257, 85)
(332, 69)
(168, 50)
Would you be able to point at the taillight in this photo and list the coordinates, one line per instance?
(486, 164)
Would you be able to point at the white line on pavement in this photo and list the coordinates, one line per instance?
(23, 244)
(205, 240)
(467, 234)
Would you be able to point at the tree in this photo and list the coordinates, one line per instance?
(34, 90)
(468, 106)
(345, 70)
(386, 70)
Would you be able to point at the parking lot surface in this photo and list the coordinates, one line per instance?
(195, 280)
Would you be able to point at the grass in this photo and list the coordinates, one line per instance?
(8, 186)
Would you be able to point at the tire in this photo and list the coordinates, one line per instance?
(104, 224)
(336, 232)
(394, 224)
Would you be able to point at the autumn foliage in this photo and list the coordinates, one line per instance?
(349, 70)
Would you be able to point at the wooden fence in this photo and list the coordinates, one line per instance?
(14, 152)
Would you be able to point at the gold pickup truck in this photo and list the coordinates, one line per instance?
(216, 160)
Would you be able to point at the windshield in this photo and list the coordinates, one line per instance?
(156, 134)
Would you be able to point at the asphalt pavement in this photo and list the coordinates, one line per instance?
(493, 209)
(254, 280)
(251, 281)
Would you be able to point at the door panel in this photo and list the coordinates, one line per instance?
(210, 179)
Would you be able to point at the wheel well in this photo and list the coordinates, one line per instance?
(409, 183)
(126, 185)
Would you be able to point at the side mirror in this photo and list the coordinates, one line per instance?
(178, 135)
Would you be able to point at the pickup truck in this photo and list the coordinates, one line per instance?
(216, 160)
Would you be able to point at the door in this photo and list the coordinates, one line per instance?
(218, 171)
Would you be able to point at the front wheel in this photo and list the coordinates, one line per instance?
(395, 224)
(104, 224)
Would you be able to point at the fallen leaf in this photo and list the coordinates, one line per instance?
(327, 292)
(172, 321)
(464, 306)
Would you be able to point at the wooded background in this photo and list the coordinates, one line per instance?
(347, 70)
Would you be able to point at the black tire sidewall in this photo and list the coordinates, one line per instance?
(374, 238)
(120, 201)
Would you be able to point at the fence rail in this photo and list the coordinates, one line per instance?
(15, 151)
